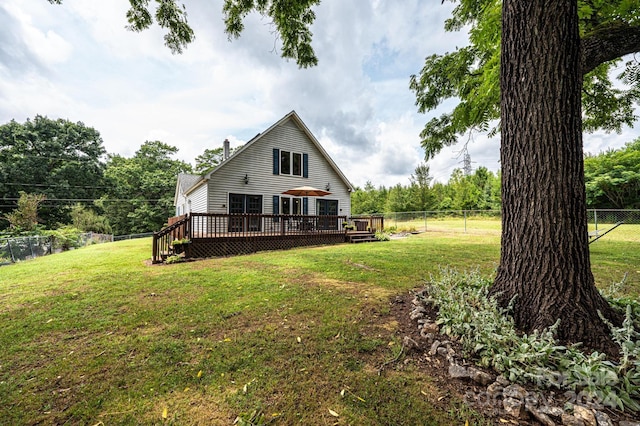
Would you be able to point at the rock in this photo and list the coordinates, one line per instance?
(442, 351)
(458, 372)
(514, 407)
(551, 411)
(431, 327)
(434, 348)
(515, 391)
(585, 414)
(409, 343)
(415, 315)
(503, 380)
(531, 400)
(626, 423)
(603, 419)
(480, 376)
(541, 417)
(426, 335)
(495, 389)
(569, 420)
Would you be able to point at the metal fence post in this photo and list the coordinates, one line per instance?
(13, 259)
(595, 218)
(31, 247)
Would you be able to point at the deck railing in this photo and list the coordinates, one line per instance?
(213, 225)
(162, 240)
(197, 227)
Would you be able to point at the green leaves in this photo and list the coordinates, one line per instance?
(140, 195)
(470, 74)
(488, 335)
(168, 15)
(613, 178)
(57, 158)
(292, 21)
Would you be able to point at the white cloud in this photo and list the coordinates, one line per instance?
(77, 61)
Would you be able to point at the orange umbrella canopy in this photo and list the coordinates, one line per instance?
(307, 191)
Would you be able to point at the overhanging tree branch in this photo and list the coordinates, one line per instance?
(609, 43)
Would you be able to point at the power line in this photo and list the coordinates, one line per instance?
(51, 157)
(95, 199)
(52, 186)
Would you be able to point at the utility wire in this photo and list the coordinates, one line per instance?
(52, 186)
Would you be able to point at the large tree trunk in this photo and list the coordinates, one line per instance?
(544, 260)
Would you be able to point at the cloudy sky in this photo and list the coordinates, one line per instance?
(77, 62)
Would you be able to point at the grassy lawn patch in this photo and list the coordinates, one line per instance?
(97, 335)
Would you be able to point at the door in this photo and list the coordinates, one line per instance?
(327, 208)
(243, 203)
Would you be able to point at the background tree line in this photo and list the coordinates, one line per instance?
(62, 170)
(479, 190)
(612, 182)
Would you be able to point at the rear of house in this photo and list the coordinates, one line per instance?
(252, 180)
(243, 205)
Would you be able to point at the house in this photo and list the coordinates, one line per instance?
(254, 178)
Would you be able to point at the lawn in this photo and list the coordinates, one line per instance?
(98, 336)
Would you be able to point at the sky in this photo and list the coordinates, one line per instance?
(77, 61)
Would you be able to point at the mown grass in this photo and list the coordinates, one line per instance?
(97, 335)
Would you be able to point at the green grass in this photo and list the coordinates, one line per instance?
(98, 335)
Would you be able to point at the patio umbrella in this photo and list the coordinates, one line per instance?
(307, 191)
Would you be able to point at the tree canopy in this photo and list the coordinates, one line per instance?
(613, 178)
(608, 30)
(140, 193)
(57, 158)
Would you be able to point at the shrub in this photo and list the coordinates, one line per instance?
(382, 236)
(487, 334)
(65, 237)
(174, 259)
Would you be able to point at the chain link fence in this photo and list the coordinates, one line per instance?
(24, 248)
(132, 236)
(488, 222)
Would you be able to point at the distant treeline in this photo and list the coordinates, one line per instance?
(612, 181)
(479, 190)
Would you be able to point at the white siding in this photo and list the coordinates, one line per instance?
(256, 161)
(197, 200)
(181, 204)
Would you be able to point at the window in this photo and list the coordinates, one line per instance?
(290, 163)
(285, 163)
(291, 205)
(286, 205)
(297, 164)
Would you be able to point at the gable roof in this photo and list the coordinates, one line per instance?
(298, 121)
(186, 181)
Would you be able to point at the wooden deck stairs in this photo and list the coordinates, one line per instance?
(361, 237)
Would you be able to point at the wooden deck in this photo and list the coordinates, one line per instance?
(199, 235)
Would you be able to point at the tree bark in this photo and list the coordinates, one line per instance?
(609, 43)
(544, 260)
